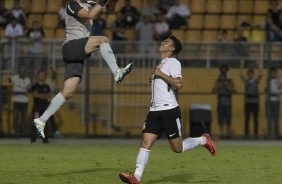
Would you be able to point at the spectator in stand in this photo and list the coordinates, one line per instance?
(223, 39)
(61, 14)
(224, 88)
(41, 93)
(14, 30)
(21, 84)
(118, 28)
(5, 14)
(145, 34)
(35, 48)
(251, 98)
(161, 28)
(99, 26)
(130, 14)
(177, 15)
(273, 90)
(278, 29)
(51, 76)
(18, 12)
(35, 35)
(223, 36)
(164, 5)
(273, 21)
(118, 34)
(240, 46)
(150, 9)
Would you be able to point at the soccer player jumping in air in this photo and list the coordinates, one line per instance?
(164, 114)
(79, 45)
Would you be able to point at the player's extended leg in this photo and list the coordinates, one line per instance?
(142, 159)
(95, 43)
(178, 145)
(67, 92)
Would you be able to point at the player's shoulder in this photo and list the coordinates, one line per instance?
(174, 61)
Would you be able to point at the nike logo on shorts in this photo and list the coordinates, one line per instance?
(170, 135)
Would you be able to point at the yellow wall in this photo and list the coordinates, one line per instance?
(196, 81)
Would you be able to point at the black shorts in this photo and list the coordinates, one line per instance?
(224, 114)
(167, 121)
(74, 56)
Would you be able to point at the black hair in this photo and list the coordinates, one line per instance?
(42, 70)
(177, 45)
(273, 69)
(250, 70)
(222, 66)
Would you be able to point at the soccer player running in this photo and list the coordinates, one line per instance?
(79, 45)
(164, 114)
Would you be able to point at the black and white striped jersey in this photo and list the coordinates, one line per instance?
(163, 96)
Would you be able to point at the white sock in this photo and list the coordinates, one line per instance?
(108, 55)
(141, 162)
(191, 143)
(54, 106)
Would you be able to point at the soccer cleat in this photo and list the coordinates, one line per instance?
(210, 145)
(128, 178)
(123, 72)
(39, 127)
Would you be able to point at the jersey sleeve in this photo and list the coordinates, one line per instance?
(175, 69)
(73, 8)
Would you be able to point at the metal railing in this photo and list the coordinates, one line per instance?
(99, 100)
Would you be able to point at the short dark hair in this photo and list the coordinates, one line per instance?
(177, 45)
(223, 66)
(42, 70)
(251, 70)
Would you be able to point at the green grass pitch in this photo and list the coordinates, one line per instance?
(100, 161)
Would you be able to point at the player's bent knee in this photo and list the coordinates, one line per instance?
(177, 150)
(146, 144)
(98, 40)
(67, 95)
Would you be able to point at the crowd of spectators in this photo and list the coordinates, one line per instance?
(224, 88)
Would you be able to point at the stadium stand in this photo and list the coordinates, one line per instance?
(38, 6)
(53, 6)
(258, 36)
(26, 5)
(261, 6)
(230, 6)
(213, 6)
(228, 22)
(32, 17)
(196, 21)
(110, 18)
(49, 33)
(193, 35)
(246, 6)
(207, 16)
(197, 6)
(210, 35)
(211, 21)
(50, 21)
(180, 33)
(59, 33)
